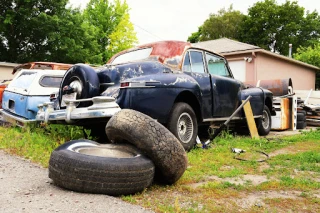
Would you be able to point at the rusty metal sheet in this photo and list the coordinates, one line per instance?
(278, 87)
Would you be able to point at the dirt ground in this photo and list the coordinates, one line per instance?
(25, 187)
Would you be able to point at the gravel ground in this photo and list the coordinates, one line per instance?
(25, 187)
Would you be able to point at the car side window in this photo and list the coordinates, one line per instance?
(197, 62)
(216, 65)
(186, 63)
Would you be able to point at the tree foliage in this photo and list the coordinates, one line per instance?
(224, 24)
(24, 27)
(114, 31)
(42, 30)
(310, 55)
(274, 27)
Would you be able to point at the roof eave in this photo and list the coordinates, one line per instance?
(271, 54)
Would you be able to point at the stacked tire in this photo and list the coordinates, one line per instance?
(301, 119)
(142, 150)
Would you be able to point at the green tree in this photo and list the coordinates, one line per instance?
(24, 28)
(73, 40)
(113, 29)
(310, 55)
(224, 24)
(274, 27)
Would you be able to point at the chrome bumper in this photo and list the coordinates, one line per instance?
(102, 107)
(13, 119)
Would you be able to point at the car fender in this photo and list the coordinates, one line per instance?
(158, 93)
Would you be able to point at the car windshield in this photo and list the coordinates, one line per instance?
(24, 80)
(133, 56)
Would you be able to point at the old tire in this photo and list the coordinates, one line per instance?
(85, 79)
(153, 139)
(264, 123)
(301, 116)
(301, 124)
(87, 166)
(183, 124)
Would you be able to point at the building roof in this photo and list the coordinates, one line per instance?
(226, 47)
(7, 64)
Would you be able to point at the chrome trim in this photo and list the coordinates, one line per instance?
(226, 118)
(13, 119)
(102, 107)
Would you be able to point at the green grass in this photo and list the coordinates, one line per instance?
(207, 184)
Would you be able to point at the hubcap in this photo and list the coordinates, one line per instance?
(265, 120)
(77, 86)
(185, 127)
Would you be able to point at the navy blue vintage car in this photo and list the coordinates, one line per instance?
(181, 86)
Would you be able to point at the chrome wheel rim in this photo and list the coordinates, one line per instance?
(185, 127)
(109, 151)
(77, 86)
(265, 119)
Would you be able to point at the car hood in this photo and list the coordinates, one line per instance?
(122, 72)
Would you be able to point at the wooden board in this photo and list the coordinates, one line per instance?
(250, 120)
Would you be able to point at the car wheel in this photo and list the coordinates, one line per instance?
(183, 124)
(264, 123)
(84, 81)
(90, 167)
(153, 139)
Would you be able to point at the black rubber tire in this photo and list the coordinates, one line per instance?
(111, 175)
(301, 116)
(182, 109)
(153, 139)
(88, 78)
(261, 129)
(301, 124)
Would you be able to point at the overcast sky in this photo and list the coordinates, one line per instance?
(176, 19)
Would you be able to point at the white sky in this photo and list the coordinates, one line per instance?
(176, 19)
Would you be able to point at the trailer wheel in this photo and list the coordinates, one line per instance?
(90, 167)
(264, 123)
(153, 139)
(84, 80)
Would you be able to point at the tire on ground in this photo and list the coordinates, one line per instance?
(301, 116)
(88, 80)
(90, 167)
(153, 139)
(301, 124)
(183, 124)
(264, 123)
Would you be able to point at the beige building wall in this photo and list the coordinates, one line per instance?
(269, 67)
(5, 73)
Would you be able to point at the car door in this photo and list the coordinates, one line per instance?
(225, 89)
(195, 66)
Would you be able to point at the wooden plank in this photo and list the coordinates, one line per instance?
(250, 120)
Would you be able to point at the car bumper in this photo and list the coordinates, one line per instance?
(103, 107)
(15, 120)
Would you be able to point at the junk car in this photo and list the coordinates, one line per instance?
(28, 89)
(181, 86)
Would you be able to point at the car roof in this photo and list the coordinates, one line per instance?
(166, 52)
(39, 64)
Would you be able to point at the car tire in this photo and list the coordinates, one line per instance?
(86, 78)
(153, 139)
(183, 124)
(264, 123)
(90, 167)
(301, 124)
